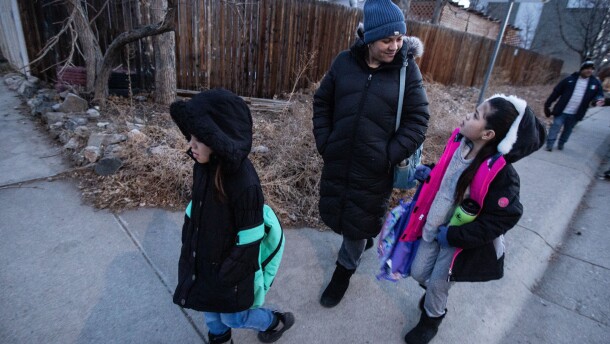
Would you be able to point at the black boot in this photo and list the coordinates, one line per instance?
(281, 324)
(224, 338)
(425, 330)
(369, 243)
(335, 290)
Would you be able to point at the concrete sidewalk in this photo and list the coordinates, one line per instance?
(73, 274)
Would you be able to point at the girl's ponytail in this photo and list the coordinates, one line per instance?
(219, 183)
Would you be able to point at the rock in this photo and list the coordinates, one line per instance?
(72, 144)
(92, 154)
(82, 131)
(73, 103)
(140, 98)
(54, 117)
(108, 166)
(74, 122)
(64, 136)
(132, 126)
(64, 94)
(98, 139)
(79, 120)
(13, 81)
(135, 134)
(115, 138)
(139, 120)
(33, 102)
(56, 125)
(42, 108)
(46, 94)
(78, 158)
(102, 124)
(56, 107)
(113, 151)
(93, 113)
(260, 150)
(27, 89)
(159, 150)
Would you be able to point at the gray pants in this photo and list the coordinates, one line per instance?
(350, 253)
(431, 268)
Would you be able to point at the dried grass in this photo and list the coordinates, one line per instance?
(157, 173)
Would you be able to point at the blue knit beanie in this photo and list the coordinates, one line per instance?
(382, 18)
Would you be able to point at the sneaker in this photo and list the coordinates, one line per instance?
(560, 147)
(548, 149)
(224, 338)
(285, 321)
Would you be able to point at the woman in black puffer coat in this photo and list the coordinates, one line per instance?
(354, 127)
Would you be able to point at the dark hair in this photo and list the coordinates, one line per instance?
(499, 121)
(218, 183)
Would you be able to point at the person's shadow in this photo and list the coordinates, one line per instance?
(134, 304)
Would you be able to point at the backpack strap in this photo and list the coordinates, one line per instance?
(250, 235)
(484, 176)
(273, 240)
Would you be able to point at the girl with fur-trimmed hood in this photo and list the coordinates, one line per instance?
(354, 127)
(501, 131)
(223, 227)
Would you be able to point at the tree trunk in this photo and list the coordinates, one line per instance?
(88, 42)
(114, 50)
(438, 10)
(405, 6)
(165, 58)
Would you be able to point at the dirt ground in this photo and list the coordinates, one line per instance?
(157, 173)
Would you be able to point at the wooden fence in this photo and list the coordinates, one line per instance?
(262, 48)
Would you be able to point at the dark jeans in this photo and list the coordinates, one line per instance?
(568, 122)
(351, 253)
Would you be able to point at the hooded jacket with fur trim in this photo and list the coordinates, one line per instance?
(481, 242)
(354, 127)
(215, 272)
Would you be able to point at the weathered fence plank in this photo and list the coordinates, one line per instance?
(256, 48)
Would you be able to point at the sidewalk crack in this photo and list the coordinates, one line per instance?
(566, 308)
(157, 272)
(558, 252)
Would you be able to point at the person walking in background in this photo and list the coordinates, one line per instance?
(501, 131)
(354, 127)
(219, 271)
(573, 95)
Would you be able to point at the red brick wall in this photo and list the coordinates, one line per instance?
(461, 19)
(421, 10)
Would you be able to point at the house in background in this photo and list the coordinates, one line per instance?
(548, 38)
(542, 23)
(460, 18)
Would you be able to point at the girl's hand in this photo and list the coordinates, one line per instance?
(441, 237)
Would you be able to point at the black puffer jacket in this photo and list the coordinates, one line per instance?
(354, 127)
(214, 273)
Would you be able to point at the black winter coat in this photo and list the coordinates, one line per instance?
(354, 127)
(564, 91)
(501, 211)
(215, 274)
